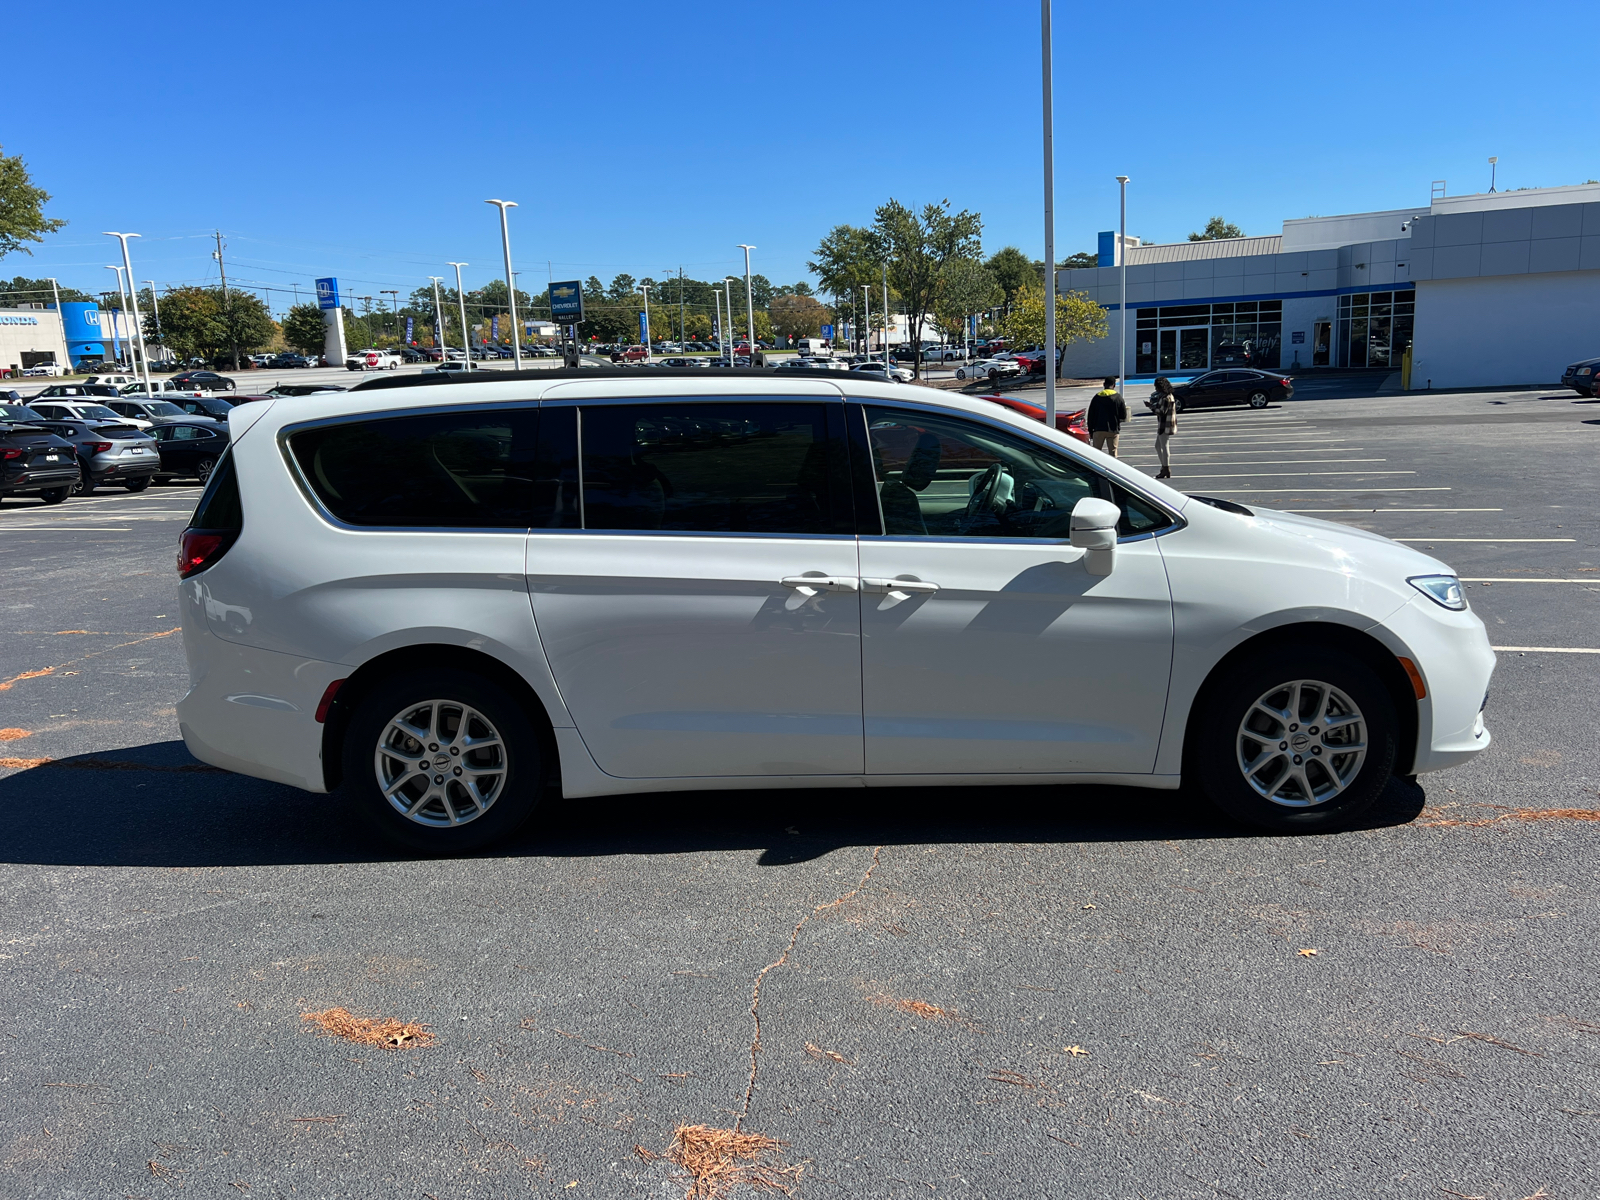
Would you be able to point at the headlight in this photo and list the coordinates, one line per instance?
(1444, 590)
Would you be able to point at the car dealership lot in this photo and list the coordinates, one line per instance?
(1007, 992)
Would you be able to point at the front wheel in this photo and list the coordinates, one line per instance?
(1302, 740)
(1258, 399)
(994, 376)
(961, 374)
(443, 761)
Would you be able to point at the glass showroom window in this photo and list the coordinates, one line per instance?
(1375, 328)
(1195, 337)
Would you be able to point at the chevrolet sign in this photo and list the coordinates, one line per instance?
(566, 303)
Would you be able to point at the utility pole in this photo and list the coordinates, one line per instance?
(394, 301)
(222, 269)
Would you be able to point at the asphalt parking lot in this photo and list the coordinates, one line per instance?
(994, 993)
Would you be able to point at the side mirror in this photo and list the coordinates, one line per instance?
(1094, 529)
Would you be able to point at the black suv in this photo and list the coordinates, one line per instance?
(34, 461)
(1580, 376)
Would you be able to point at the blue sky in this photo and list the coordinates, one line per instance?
(361, 140)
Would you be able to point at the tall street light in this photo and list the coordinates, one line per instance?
(116, 346)
(645, 288)
(749, 304)
(729, 281)
(394, 301)
(438, 319)
(466, 341)
(866, 327)
(886, 320)
(155, 303)
(1122, 257)
(1049, 225)
(511, 280)
(716, 298)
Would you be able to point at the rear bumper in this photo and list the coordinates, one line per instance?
(39, 481)
(252, 711)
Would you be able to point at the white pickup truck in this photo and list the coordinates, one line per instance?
(373, 360)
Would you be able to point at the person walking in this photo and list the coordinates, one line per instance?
(1107, 413)
(1165, 406)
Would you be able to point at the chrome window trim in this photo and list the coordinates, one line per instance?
(1178, 521)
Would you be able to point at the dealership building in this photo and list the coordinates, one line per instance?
(1495, 289)
(39, 336)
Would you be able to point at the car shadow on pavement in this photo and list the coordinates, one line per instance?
(154, 806)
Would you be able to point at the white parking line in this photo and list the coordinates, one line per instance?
(1391, 510)
(1545, 649)
(1482, 539)
(1265, 491)
(1278, 462)
(1515, 579)
(1286, 474)
(59, 528)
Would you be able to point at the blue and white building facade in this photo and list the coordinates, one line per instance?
(1486, 290)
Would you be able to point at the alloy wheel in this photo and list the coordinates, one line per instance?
(440, 763)
(1302, 743)
(1258, 400)
(207, 465)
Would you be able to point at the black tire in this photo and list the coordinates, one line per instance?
(994, 375)
(204, 468)
(1221, 747)
(84, 486)
(515, 788)
(56, 495)
(1177, 405)
(137, 485)
(1258, 399)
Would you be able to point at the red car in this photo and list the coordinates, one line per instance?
(1073, 424)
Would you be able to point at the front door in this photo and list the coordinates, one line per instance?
(698, 601)
(1186, 349)
(987, 647)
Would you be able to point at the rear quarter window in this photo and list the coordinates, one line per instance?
(453, 470)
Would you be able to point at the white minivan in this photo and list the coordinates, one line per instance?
(453, 598)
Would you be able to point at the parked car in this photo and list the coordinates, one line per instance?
(117, 381)
(630, 354)
(34, 461)
(162, 387)
(110, 454)
(214, 407)
(892, 373)
(81, 410)
(78, 391)
(1010, 606)
(1580, 376)
(1255, 388)
(155, 412)
(1074, 424)
(300, 389)
(992, 369)
(288, 361)
(47, 369)
(414, 354)
(683, 362)
(939, 354)
(373, 360)
(190, 449)
(1231, 354)
(208, 380)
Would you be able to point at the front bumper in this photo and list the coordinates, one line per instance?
(1452, 652)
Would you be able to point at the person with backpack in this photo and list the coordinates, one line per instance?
(1107, 413)
(1165, 406)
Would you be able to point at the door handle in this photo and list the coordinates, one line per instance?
(911, 587)
(820, 583)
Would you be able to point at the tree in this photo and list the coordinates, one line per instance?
(1216, 229)
(917, 249)
(22, 216)
(1078, 318)
(797, 316)
(194, 322)
(1081, 259)
(800, 289)
(844, 261)
(303, 327)
(1013, 271)
(623, 287)
(22, 290)
(965, 287)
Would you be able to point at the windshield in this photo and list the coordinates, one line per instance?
(18, 412)
(98, 410)
(165, 408)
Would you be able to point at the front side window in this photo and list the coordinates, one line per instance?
(946, 477)
(457, 470)
(746, 467)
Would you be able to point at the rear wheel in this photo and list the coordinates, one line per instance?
(204, 468)
(1258, 399)
(443, 761)
(137, 485)
(1302, 740)
(55, 495)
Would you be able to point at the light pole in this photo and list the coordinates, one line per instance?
(886, 319)
(511, 280)
(749, 304)
(1122, 258)
(116, 346)
(866, 327)
(394, 303)
(716, 298)
(438, 319)
(1049, 225)
(728, 282)
(1493, 169)
(466, 341)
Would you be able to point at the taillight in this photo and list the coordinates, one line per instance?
(9, 454)
(1286, 382)
(99, 447)
(201, 548)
